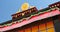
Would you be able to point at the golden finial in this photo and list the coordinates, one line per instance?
(25, 6)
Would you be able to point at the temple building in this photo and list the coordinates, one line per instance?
(34, 20)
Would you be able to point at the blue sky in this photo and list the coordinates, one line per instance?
(9, 7)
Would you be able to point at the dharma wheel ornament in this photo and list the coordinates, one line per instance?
(24, 6)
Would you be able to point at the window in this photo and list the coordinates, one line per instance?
(42, 26)
(50, 30)
(35, 29)
(50, 24)
(28, 30)
(47, 27)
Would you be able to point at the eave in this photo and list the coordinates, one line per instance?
(33, 19)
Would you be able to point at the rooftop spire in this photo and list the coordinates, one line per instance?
(18, 11)
(24, 6)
